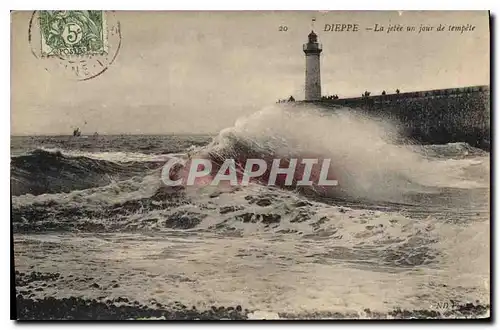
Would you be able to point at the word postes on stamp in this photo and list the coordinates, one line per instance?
(80, 44)
(73, 32)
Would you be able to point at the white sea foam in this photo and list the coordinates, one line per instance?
(366, 160)
(314, 256)
(114, 156)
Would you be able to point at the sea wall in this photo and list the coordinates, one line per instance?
(431, 117)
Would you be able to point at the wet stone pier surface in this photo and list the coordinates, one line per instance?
(32, 305)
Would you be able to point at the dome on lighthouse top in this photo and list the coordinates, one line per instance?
(313, 37)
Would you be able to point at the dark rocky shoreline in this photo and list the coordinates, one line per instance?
(30, 307)
(75, 308)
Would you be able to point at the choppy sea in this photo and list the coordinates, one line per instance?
(407, 231)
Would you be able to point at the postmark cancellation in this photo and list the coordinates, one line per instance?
(79, 44)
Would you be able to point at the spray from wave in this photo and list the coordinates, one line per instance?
(328, 246)
(367, 155)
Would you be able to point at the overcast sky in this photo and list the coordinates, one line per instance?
(197, 72)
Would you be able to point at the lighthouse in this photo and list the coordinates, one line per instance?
(312, 49)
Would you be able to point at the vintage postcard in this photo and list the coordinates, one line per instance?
(241, 165)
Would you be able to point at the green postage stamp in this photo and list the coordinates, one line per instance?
(73, 32)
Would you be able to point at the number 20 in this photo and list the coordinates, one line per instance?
(283, 28)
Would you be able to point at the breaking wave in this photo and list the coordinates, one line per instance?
(43, 171)
(367, 155)
(62, 190)
(406, 213)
